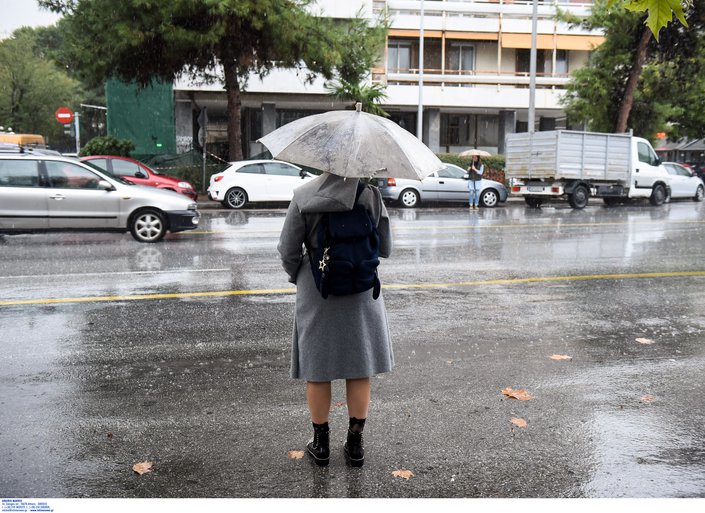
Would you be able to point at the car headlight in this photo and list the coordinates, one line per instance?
(185, 185)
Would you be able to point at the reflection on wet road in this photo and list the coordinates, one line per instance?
(114, 352)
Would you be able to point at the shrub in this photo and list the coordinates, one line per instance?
(108, 145)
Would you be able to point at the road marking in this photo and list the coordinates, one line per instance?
(399, 286)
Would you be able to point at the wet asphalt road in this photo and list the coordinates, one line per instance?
(178, 353)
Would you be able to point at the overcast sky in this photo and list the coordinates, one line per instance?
(19, 13)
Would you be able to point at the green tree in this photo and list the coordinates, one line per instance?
(32, 87)
(225, 40)
(631, 78)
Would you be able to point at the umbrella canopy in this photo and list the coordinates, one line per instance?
(473, 152)
(352, 144)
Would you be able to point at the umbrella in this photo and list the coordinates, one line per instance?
(352, 144)
(473, 152)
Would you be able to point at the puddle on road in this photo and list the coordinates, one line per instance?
(640, 454)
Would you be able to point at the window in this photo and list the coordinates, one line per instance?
(461, 57)
(256, 169)
(646, 154)
(561, 62)
(125, 168)
(101, 163)
(451, 172)
(280, 169)
(18, 173)
(63, 175)
(399, 56)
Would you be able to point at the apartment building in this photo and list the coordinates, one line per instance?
(472, 78)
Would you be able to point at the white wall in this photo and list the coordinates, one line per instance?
(343, 8)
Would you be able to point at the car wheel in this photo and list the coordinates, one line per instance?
(533, 202)
(579, 198)
(699, 193)
(658, 195)
(235, 198)
(489, 198)
(409, 198)
(148, 225)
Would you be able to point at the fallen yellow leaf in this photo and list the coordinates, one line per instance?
(519, 422)
(522, 395)
(648, 398)
(560, 357)
(142, 468)
(295, 455)
(406, 474)
(646, 341)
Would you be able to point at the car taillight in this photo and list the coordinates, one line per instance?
(218, 178)
(391, 182)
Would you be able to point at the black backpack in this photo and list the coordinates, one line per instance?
(347, 256)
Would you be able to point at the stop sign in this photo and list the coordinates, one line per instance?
(64, 115)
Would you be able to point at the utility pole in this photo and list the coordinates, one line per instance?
(419, 116)
(532, 69)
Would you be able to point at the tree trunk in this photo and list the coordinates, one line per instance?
(625, 107)
(232, 89)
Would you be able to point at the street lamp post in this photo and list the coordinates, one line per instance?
(419, 117)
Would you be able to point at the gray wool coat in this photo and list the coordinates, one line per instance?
(340, 337)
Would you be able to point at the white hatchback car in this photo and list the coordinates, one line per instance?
(684, 184)
(250, 181)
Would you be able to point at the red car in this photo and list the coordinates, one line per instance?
(135, 171)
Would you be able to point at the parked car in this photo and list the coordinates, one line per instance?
(13, 148)
(141, 174)
(251, 181)
(448, 184)
(50, 193)
(684, 184)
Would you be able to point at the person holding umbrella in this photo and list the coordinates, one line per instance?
(340, 336)
(475, 171)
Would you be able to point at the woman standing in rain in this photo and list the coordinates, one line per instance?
(476, 169)
(339, 337)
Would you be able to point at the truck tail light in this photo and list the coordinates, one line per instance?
(555, 190)
(516, 188)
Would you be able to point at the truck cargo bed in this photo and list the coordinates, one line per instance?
(568, 155)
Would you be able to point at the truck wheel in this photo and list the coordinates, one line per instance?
(658, 195)
(579, 198)
(409, 198)
(533, 202)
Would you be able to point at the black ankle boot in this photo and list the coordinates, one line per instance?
(319, 447)
(354, 447)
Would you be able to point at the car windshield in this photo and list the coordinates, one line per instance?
(107, 173)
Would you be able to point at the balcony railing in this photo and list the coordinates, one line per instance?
(461, 78)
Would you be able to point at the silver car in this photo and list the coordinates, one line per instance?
(47, 193)
(449, 184)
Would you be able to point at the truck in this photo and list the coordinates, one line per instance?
(579, 165)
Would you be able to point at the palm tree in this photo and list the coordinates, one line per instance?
(369, 95)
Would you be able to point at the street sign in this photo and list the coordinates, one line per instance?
(64, 115)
